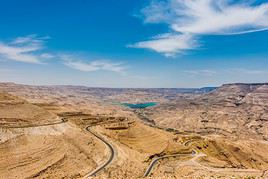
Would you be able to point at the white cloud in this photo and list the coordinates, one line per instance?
(24, 49)
(47, 56)
(169, 44)
(220, 17)
(209, 17)
(95, 65)
(31, 49)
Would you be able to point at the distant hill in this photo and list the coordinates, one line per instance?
(232, 109)
(15, 111)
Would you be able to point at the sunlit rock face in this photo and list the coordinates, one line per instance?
(232, 109)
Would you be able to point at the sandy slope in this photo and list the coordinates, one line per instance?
(54, 151)
(67, 150)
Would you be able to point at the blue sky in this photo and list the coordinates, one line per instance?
(141, 43)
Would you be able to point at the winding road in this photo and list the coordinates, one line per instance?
(111, 158)
(197, 155)
(154, 161)
(63, 120)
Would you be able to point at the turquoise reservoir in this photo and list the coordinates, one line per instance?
(139, 105)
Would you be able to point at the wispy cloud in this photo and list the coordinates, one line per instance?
(168, 44)
(200, 72)
(24, 49)
(247, 71)
(95, 65)
(231, 71)
(193, 18)
(32, 49)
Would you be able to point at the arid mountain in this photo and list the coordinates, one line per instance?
(233, 109)
(33, 93)
(80, 132)
(17, 112)
(38, 144)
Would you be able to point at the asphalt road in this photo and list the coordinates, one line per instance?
(112, 155)
(154, 161)
(63, 120)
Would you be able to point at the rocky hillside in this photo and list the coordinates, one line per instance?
(232, 109)
(15, 111)
(34, 144)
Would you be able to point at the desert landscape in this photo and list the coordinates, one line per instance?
(82, 132)
(133, 89)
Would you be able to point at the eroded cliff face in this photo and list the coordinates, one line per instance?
(233, 109)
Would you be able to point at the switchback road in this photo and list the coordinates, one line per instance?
(154, 161)
(111, 158)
